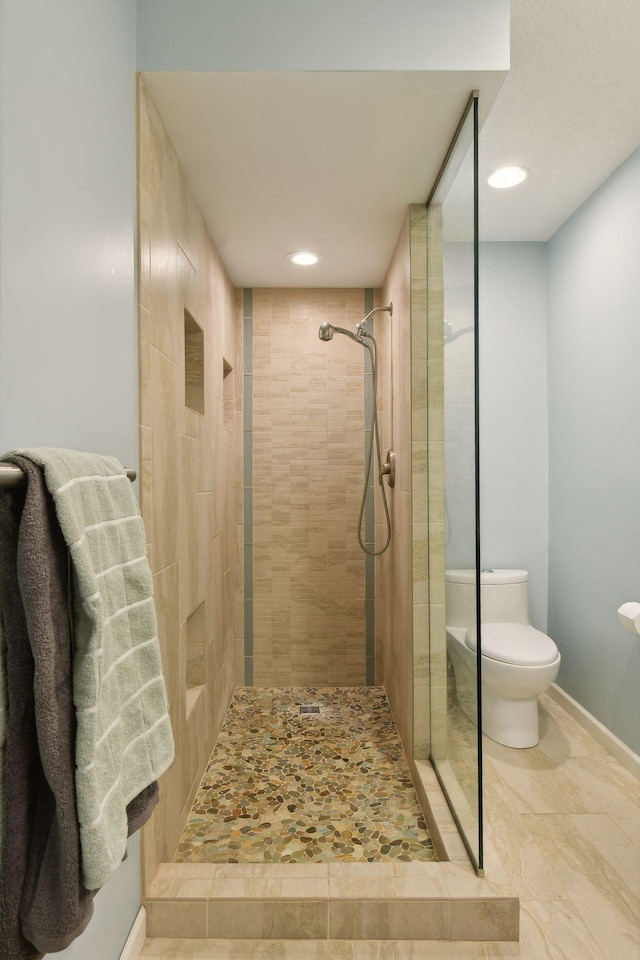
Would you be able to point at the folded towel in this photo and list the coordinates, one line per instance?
(123, 740)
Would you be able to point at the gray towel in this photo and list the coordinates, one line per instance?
(43, 901)
(21, 752)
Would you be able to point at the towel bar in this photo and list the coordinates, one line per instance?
(12, 476)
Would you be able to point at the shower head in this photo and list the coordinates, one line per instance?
(327, 331)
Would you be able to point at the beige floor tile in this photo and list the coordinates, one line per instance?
(512, 854)
(180, 889)
(609, 846)
(436, 950)
(387, 888)
(537, 784)
(561, 736)
(550, 930)
(424, 870)
(262, 888)
(615, 789)
(592, 882)
(269, 871)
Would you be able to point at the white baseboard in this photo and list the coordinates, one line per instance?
(135, 941)
(622, 753)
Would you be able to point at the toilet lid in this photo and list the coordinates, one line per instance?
(517, 643)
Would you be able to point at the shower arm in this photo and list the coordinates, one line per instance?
(361, 328)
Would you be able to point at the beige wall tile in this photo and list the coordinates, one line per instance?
(308, 465)
(296, 920)
(490, 920)
(186, 918)
(402, 920)
(186, 493)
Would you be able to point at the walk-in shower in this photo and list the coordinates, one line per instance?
(362, 335)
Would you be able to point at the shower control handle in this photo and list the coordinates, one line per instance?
(388, 469)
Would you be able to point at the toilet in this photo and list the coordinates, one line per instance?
(518, 661)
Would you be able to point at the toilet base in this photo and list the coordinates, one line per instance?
(513, 723)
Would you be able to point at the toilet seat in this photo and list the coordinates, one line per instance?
(516, 643)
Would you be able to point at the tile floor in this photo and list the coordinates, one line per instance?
(562, 825)
(282, 787)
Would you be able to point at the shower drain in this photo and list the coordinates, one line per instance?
(307, 709)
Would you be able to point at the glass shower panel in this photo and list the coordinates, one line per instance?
(453, 309)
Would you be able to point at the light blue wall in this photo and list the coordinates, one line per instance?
(513, 414)
(594, 449)
(68, 354)
(68, 331)
(331, 35)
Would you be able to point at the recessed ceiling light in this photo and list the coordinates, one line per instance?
(507, 177)
(303, 258)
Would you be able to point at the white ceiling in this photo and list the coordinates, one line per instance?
(569, 111)
(322, 161)
(328, 161)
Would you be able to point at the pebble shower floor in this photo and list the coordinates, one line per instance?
(324, 786)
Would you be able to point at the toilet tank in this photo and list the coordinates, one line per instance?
(504, 597)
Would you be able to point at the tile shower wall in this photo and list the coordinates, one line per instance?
(405, 592)
(309, 574)
(189, 463)
(394, 575)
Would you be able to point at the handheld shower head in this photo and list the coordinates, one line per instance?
(327, 331)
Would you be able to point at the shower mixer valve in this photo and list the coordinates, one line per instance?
(388, 469)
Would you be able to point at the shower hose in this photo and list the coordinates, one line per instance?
(370, 344)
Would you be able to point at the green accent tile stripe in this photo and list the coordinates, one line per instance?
(248, 514)
(248, 400)
(247, 360)
(247, 331)
(248, 628)
(248, 571)
(370, 617)
(370, 577)
(248, 671)
(248, 457)
(370, 667)
(370, 620)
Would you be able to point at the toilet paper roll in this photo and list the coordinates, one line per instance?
(629, 616)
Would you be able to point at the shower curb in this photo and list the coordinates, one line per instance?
(335, 901)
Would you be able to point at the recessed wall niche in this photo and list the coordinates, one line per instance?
(193, 364)
(228, 399)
